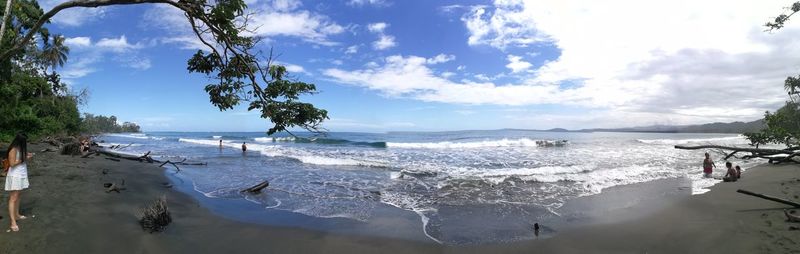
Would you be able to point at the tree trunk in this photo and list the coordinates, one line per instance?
(6, 17)
(770, 198)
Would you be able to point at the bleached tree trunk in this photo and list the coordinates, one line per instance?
(6, 17)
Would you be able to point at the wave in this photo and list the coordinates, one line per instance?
(133, 135)
(523, 142)
(297, 154)
(734, 139)
(322, 141)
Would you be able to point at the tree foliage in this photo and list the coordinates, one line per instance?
(241, 73)
(94, 124)
(32, 100)
(783, 125)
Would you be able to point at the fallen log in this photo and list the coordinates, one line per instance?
(770, 198)
(113, 159)
(173, 164)
(737, 149)
(257, 188)
(88, 154)
(790, 216)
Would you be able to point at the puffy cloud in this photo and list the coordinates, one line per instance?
(685, 59)
(377, 27)
(271, 19)
(351, 50)
(78, 42)
(384, 41)
(441, 58)
(516, 64)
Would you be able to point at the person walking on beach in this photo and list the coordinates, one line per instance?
(244, 146)
(708, 165)
(17, 177)
(730, 176)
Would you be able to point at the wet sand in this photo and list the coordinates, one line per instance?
(74, 214)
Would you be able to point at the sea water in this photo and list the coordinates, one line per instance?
(525, 175)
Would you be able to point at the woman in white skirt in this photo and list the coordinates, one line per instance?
(17, 177)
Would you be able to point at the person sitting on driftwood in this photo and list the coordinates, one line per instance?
(731, 175)
(708, 166)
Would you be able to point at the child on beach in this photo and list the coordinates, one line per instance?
(708, 163)
(731, 175)
(738, 172)
(17, 178)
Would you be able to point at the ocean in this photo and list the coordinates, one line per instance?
(442, 177)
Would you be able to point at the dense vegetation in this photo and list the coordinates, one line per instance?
(240, 70)
(783, 125)
(34, 99)
(101, 124)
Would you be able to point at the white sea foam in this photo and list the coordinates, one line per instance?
(216, 137)
(522, 142)
(274, 139)
(295, 153)
(727, 140)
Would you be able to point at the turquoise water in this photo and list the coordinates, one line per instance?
(443, 177)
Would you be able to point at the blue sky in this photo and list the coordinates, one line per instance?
(384, 65)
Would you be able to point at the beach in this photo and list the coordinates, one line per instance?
(74, 214)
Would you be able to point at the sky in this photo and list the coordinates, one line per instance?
(418, 65)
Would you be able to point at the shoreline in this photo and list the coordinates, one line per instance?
(74, 214)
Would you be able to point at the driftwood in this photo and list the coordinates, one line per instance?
(113, 159)
(770, 198)
(790, 216)
(773, 155)
(257, 188)
(115, 187)
(88, 154)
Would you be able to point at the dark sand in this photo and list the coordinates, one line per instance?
(75, 215)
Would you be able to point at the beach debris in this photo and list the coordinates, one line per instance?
(88, 154)
(155, 216)
(775, 156)
(113, 159)
(257, 188)
(105, 171)
(770, 198)
(71, 149)
(791, 215)
(47, 150)
(793, 228)
(114, 187)
(52, 141)
(166, 185)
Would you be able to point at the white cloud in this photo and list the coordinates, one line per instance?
(377, 27)
(292, 68)
(73, 17)
(516, 64)
(682, 58)
(76, 42)
(368, 2)
(351, 50)
(384, 41)
(87, 57)
(273, 18)
(116, 44)
(441, 58)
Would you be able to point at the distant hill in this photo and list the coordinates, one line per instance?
(734, 127)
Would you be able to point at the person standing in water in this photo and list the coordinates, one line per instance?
(244, 146)
(708, 165)
(220, 144)
(17, 177)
